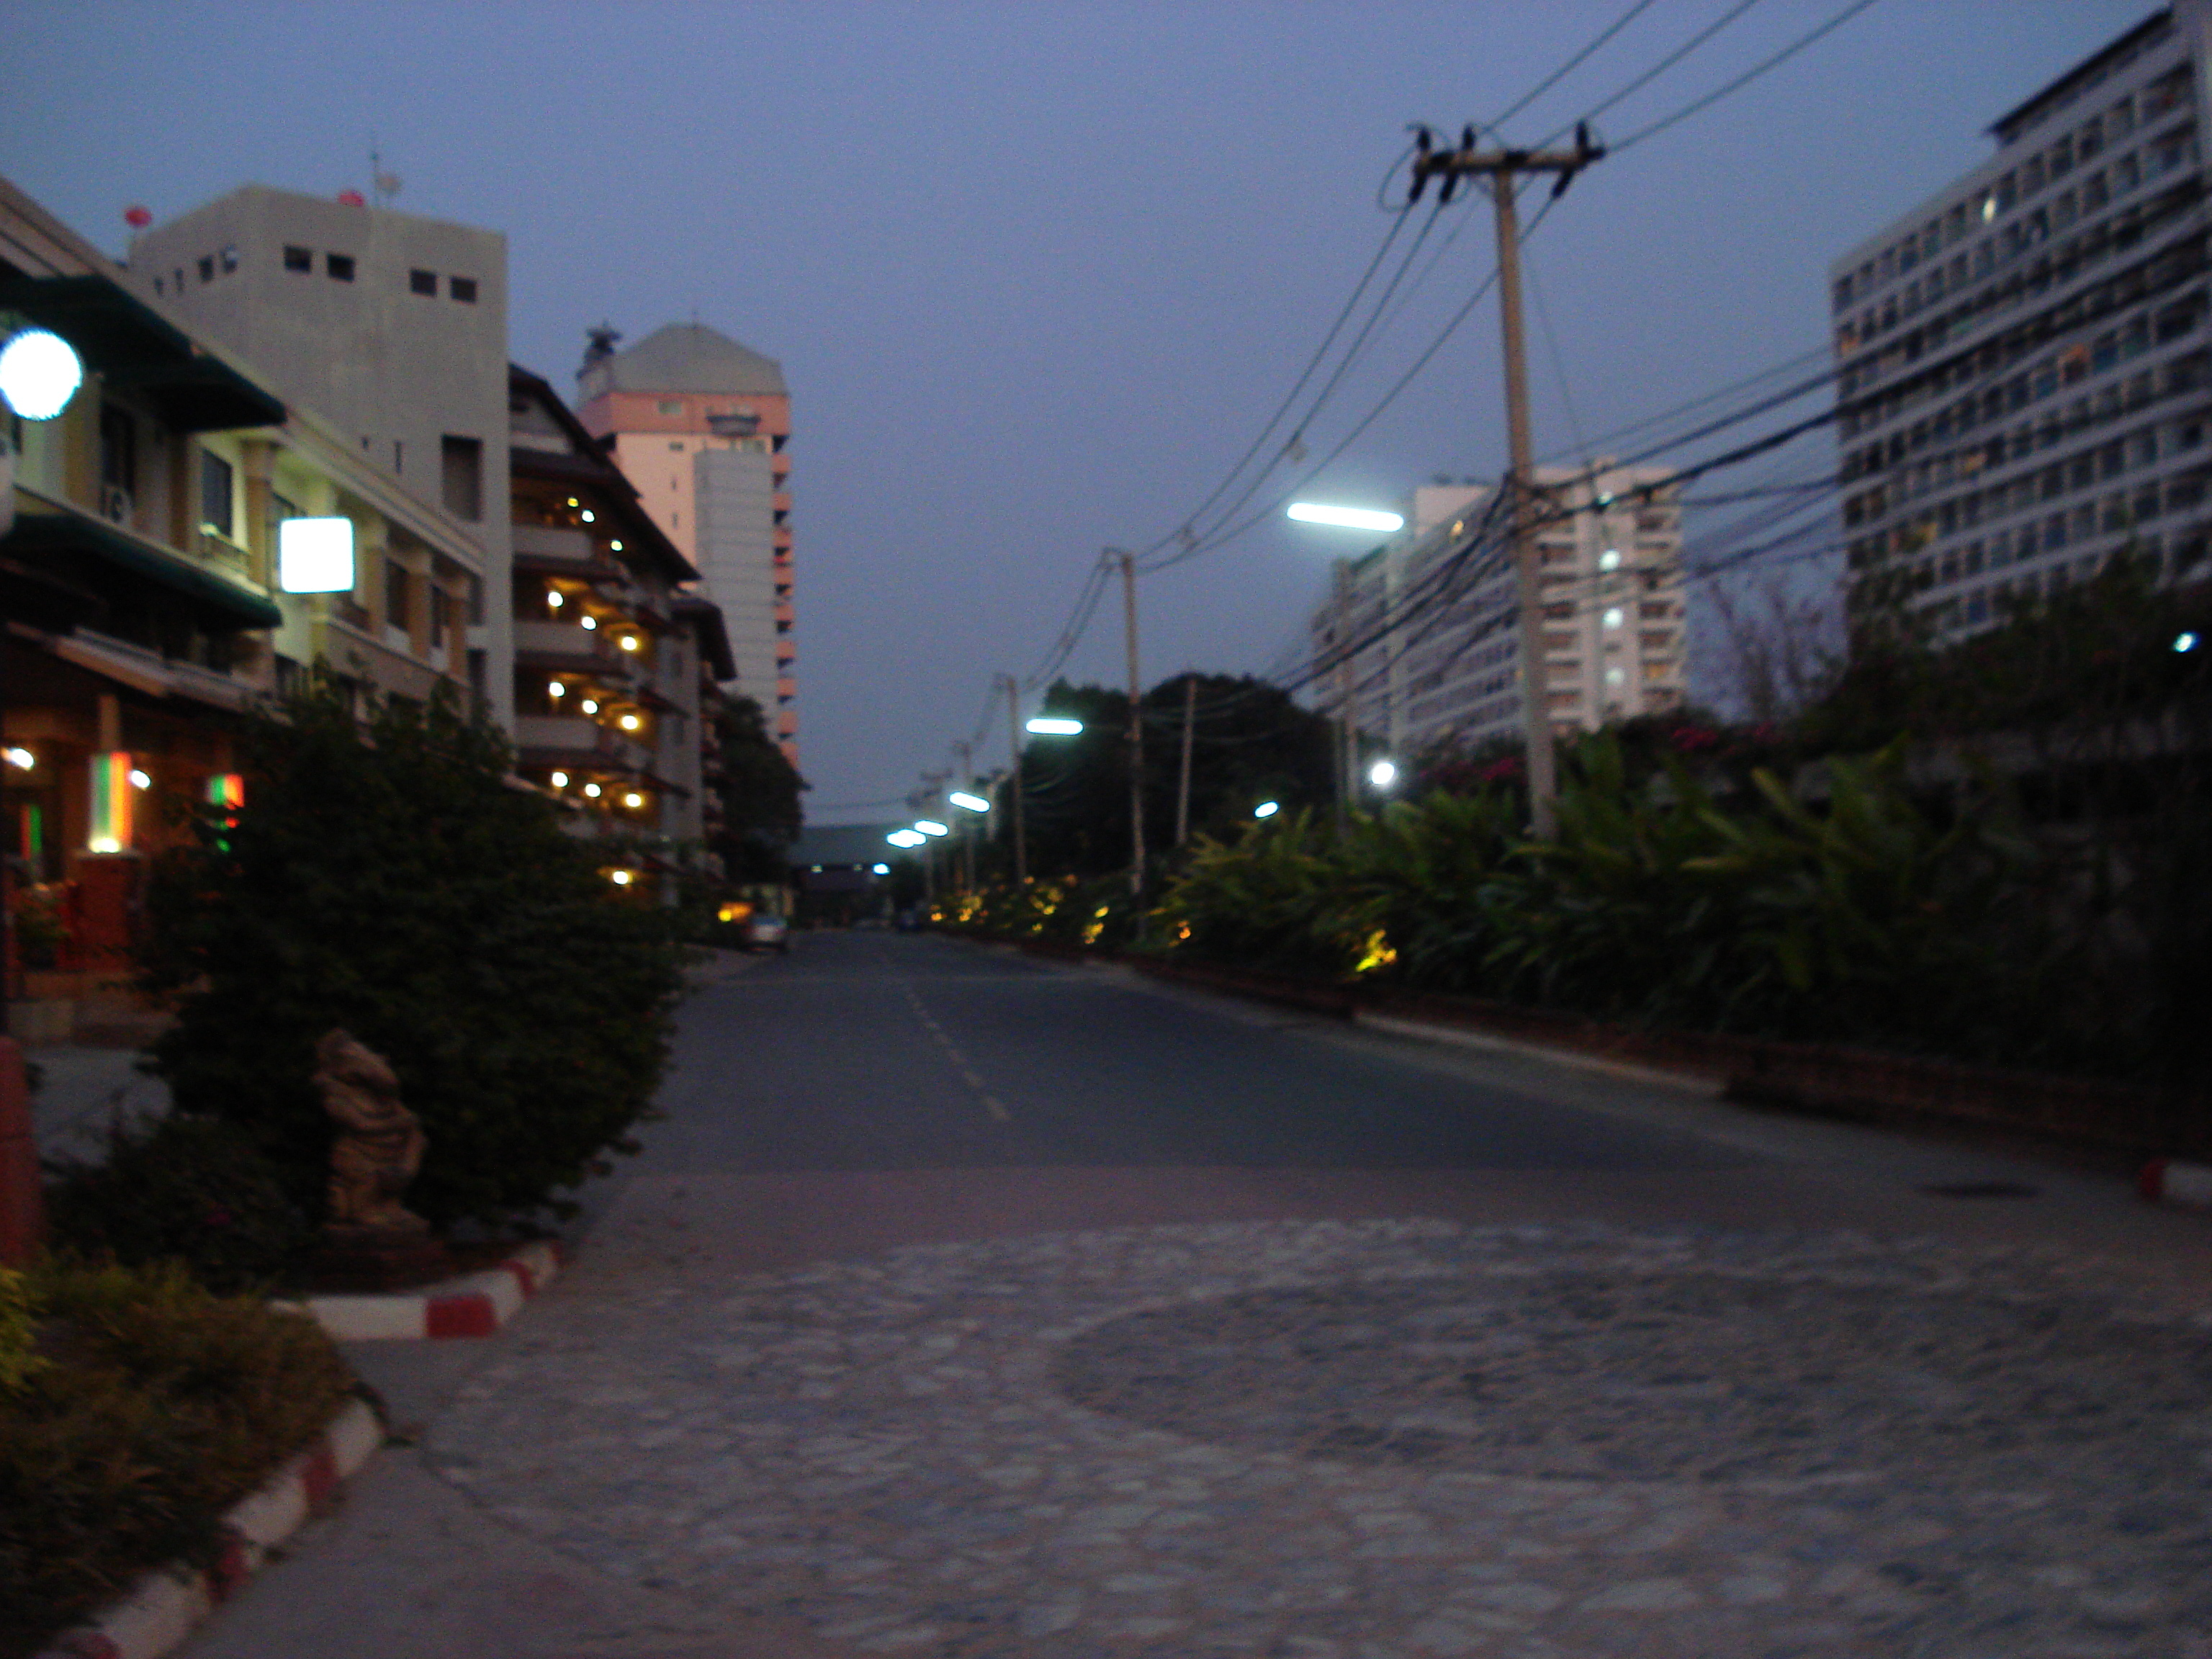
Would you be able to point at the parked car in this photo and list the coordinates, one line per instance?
(767, 931)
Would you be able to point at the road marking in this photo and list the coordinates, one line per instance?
(967, 1074)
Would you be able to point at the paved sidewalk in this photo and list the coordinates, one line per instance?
(81, 1089)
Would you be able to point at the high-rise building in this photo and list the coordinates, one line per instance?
(700, 425)
(2023, 370)
(392, 328)
(1432, 617)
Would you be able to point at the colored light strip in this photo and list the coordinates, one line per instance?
(110, 801)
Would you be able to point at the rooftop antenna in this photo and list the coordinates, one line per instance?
(386, 184)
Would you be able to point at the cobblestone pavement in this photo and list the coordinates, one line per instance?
(1365, 1440)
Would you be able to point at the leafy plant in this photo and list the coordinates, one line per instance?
(195, 1190)
(383, 876)
(159, 1405)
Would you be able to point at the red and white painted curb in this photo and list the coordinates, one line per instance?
(2166, 1181)
(474, 1305)
(166, 1604)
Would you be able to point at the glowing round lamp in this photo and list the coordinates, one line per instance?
(559, 780)
(592, 790)
(1382, 774)
(588, 622)
(21, 758)
(632, 800)
(39, 373)
(620, 878)
(881, 869)
(1266, 809)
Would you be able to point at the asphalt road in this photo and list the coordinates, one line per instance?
(964, 1306)
(883, 1052)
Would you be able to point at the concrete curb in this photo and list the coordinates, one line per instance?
(166, 1605)
(1689, 1079)
(2168, 1181)
(474, 1305)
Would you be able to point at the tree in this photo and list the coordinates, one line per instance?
(760, 793)
(388, 877)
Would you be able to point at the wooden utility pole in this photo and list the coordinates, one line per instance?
(1344, 737)
(1183, 781)
(1014, 777)
(1503, 169)
(1128, 562)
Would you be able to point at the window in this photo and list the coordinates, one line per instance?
(214, 493)
(118, 449)
(463, 288)
(340, 266)
(230, 257)
(206, 269)
(461, 470)
(423, 282)
(438, 604)
(398, 456)
(299, 258)
(677, 445)
(395, 593)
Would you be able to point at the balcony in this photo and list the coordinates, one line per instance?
(572, 741)
(545, 541)
(579, 650)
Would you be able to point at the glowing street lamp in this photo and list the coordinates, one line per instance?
(930, 827)
(1382, 774)
(1051, 725)
(39, 373)
(904, 838)
(972, 803)
(1266, 809)
(1345, 517)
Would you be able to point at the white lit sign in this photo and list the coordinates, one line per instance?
(315, 555)
(39, 373)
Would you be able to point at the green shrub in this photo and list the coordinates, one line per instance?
(196, 1189)
(18, 1358)
(162, 1405)
(387, 879)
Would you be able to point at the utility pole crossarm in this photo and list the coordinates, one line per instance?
(1466, 161)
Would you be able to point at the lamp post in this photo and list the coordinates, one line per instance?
(1345, 517)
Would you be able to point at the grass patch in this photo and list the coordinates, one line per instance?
(140, 1408)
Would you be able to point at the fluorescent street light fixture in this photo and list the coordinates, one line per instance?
(1266, 809)
(2185, 641)
(1382, 774)
(1051, 725)
(930, 827)
(881, 869)
(39, 373)
(315, 555)
(906, 838)
(1347, 518)
(973, 803)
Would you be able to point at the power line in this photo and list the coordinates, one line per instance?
(1560, 73)
(1657, 69)
(1745, 78)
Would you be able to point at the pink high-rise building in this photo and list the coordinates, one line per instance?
(700, 425)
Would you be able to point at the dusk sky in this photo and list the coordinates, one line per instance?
(1038, 274)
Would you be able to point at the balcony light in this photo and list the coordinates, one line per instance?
(632, 800)
(139, 779)
(555, 689)
(592, 790)
(559, 780)
(588, 516)
(21, 758)
(588, 622)
(630, 722)
(2185, 641)
(591, 705)
(556, 598)
(630, 641)
(614, 547)
(620, 878)
(573, 502)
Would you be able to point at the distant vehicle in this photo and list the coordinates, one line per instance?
(767, 931)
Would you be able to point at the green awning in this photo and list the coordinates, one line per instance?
(76, 548)
(131, 346)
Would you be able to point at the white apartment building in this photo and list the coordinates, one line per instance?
(390, 326)
(1432, 614)
(2023, 357)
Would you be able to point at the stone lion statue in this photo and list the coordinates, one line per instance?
(380, 1145)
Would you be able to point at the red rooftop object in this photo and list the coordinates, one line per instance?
(137, 217)
(352, 198)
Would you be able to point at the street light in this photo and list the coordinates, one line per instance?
(1346, 518)
(973, 803)
(930, 827)
(1051, 725)
(906, 838)
(1382, 774)
(1266, 809)
(39, 373)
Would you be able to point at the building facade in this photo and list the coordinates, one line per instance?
(607, 655)
(2023, 371)
(143, 605)
(1431, 616)
(390, 326)
(702, 426)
